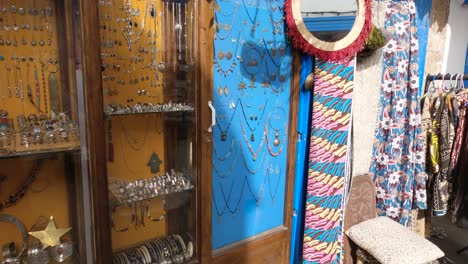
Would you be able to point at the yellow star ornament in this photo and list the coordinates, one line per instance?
(50, 237)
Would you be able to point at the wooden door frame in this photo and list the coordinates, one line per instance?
(268, 247)
(87, 25)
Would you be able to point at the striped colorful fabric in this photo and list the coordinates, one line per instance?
(323, 232)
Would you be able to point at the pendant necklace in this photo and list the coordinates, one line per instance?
(254, 153)
(259, 198)
(273, 53)
(253, 118)
(226, 200)
(218, 213)
(37, 87)
(28, 85)
(277, 116)
(262, 159)
(224, 132)
(275, 77)
(249, 16)
(276, 142)
(8, 71)
(15, 78)
(278, 173)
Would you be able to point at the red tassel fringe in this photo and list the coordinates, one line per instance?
(334, 56)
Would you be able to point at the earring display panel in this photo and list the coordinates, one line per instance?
(35, 112)
(251, 95)
(147, 54)
(148, 87)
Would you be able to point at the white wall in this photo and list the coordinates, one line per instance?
(328, 5)
(454, 60)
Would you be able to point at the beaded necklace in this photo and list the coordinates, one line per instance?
(232, 66)
(16, 196)
(254, 153)
(246, 164)
(276, 142)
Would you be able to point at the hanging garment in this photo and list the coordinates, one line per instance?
(397, 156)
(460, 168)
(457, 144)
(442, 137)
(327, 178)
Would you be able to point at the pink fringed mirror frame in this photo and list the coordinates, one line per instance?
(346, 47)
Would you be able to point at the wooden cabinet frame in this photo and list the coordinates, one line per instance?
(269, 248)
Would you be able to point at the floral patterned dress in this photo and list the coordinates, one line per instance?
(398, 160)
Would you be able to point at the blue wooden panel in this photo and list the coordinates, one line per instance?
(423, 8)
(331, 23)
(466, 64)
(302, 155)
(466, 59)
(251, 80)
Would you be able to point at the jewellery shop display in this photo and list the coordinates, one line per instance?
(168, 249)
(5, 133)
(10, 256)
(138, 108)
(159, 38)
(36, 254)
(34, 132)
(29, 56)
(14, 197)
(277, 141)
(253, 117)
(144, 189)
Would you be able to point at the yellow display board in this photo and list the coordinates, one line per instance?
(47, 196)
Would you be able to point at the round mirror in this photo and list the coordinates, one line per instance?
(329, 20)
(328, 29)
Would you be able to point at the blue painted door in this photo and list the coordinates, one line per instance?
(466, 64)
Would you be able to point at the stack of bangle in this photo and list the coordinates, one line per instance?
(168, 249)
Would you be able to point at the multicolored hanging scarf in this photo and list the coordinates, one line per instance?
(398, 160)
(327, 181)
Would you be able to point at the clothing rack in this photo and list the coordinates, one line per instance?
(446, 77)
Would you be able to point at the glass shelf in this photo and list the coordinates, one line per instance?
(39, 153)
(112, 110)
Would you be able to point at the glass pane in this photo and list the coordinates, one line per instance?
(149, 95)
(40, 181)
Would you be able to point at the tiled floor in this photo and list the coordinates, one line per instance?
(456, 238)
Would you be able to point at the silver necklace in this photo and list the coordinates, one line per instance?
(127, 32)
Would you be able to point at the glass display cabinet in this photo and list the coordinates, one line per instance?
(42, 217)
(105, 154)
(149, 91)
